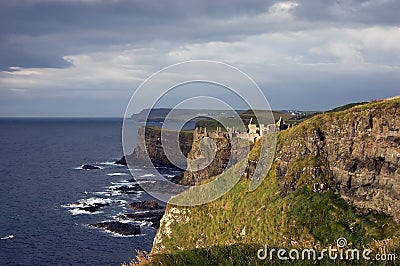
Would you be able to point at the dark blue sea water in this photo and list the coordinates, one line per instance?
(41, 181)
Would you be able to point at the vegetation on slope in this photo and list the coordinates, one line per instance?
(301, 219)
(346, 106)
(230, 230)
(238, 254)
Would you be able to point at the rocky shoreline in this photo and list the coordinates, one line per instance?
(125, 229)
(141, 212)
(144, 211)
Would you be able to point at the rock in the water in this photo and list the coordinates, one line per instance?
(153, 216)
(94, 207)
(90, 167)
(129, 189)
(121, 161)
(145, 205)
(177, 178)
(124, 229)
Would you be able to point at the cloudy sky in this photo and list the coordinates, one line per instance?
(86, 57)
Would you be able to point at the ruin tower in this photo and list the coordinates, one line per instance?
(252, 127)
(280, 125)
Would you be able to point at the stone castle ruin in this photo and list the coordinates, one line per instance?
(252, 134)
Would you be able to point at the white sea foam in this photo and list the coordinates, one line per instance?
(86, 202)
(138, 212)
(76, 207)
(106, 193)
(117, 174)
(145, 181)
(133, 196)
(79, 211)
(131, 181)
(113, 234)
(7, 237)
(115, 193)
(120, 183)
(148, 175)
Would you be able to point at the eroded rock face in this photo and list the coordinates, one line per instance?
(215, 167)
(149, 145)
(173, 215)
(357, 152)
(226, 153)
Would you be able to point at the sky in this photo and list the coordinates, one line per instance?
(86, 57)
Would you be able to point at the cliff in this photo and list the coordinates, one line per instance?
(225, 156)
(355, 152)
(334, 175)
(149, 145)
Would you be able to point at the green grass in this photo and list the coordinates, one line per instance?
(241, 254)
(303, 218)
(346, 106)
(327, 217)
(230, 230)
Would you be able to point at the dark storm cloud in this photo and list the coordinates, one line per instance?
(40, 33)
(72, 50)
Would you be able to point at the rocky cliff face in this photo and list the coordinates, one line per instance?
(223, 154)
(355, 152)
(150, 146)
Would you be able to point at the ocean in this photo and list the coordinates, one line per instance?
(42, 186)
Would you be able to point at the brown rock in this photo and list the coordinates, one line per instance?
(356, 151)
